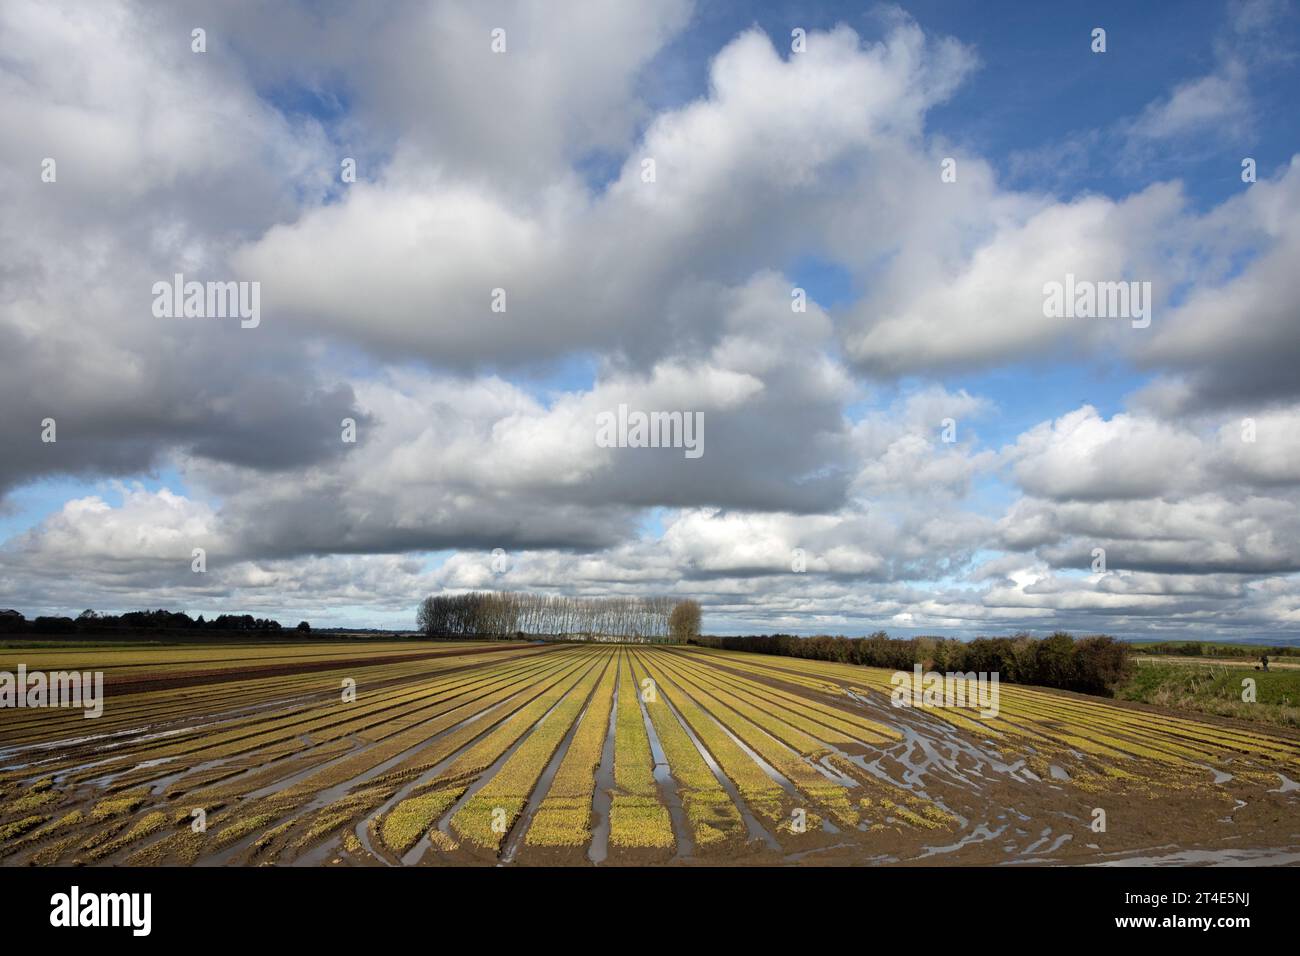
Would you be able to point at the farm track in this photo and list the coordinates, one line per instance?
(478, 754)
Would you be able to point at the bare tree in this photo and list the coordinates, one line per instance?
(506, 614)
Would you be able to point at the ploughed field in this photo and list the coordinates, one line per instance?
(577, 754)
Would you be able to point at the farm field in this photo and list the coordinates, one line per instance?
(124, 662)
(1248, 663)
(1215, 687)
(571, 754)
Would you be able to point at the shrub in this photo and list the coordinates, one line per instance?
(1102, 665)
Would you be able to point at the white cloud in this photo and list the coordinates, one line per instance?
(822, 428)
(1083, 456)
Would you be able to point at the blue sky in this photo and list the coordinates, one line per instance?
(776, 170)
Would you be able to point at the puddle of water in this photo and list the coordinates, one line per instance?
(1042, 838)
(834, 773)
(1060, 841)
(979, 835)
(326, 797)
(602, 798)
(1220, 776)
(285, 783)
(667, 789)
(754, 829)
(141, 733)
(804, 854)
(65, 743)
(1237, 805)
(1288, 785)
(78, 768)
(318, 854)
(62, 776)
(543, 786)
(1286, 856)
(443, 823)
(161, 784)
(416, 853)
(775, 775)
(107, 780)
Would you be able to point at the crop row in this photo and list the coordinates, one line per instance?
(636, 817)
(564, 817)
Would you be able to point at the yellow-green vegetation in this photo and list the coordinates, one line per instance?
(1092, 725)
(31, 801)
(503, 735)
(268, 838)
(282, 765)
(410, 819)
(455, 729)
(714, 818)
(805, 736)
(340, 813)
(757, 789)
(146, 825)
(49, 854)
(101, 836)
(487, 816)
(794, 766)
(815, 718)
(18, 827)
(69, 820)
(116, 806)
(241, 828)
(375, 715)
(564, 817)
(639, 821)
(133, 659)
(636, 817)
(183, 846)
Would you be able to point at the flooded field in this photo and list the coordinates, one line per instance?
(442, 754)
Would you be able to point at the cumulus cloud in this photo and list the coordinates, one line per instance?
(1234, 340)
(1158, 497)
(825, 431)
(409, 262)
(1082, 456)
(150, 144)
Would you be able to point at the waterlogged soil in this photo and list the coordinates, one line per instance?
(134, 684)
(940, 794)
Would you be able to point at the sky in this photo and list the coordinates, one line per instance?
(559, 210)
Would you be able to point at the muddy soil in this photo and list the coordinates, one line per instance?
(939, 796)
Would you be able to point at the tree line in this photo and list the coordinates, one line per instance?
(1090, 665)
(513, 614)
(1210, 649)
(12, 622)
